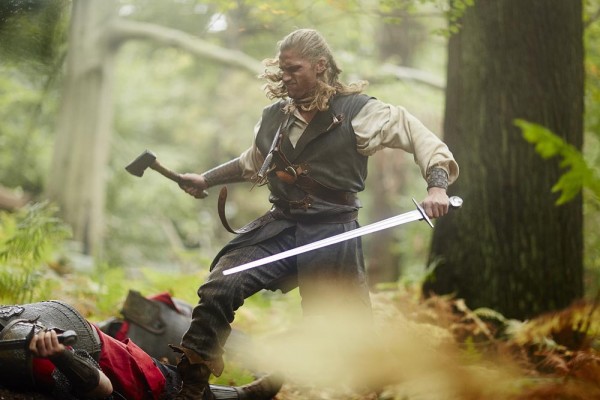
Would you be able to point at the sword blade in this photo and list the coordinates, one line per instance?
(404, 218)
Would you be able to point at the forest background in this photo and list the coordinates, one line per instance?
(180, 78)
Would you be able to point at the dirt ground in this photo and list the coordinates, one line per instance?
(6, 394)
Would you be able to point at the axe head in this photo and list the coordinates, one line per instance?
(139, 165)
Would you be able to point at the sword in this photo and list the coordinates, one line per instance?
(67, 338)
(415, 215)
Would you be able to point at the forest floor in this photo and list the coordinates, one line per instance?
(6, 394)
(439, 349)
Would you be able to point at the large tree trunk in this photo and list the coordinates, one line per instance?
(510, 247)
(76, 181)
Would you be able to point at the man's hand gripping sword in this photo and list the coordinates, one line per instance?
(415, 215)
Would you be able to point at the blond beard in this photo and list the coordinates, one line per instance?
(319, 100)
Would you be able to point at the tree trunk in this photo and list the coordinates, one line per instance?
(383, 262)
(510, 247)
(77, 175)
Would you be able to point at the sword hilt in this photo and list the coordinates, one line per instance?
(455, 203)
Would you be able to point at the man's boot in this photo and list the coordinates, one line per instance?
(195, 381)
(264, 388)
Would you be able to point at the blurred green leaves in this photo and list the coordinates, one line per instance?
(27, 242)
(579, 173)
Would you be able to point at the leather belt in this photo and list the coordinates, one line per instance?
(281, 211)
(313, 187)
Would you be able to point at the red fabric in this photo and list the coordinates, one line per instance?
(166, 298)
(42, 372)
(131, 371)
(123, 331)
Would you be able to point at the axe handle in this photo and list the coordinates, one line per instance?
(174, 176)
(164, 171)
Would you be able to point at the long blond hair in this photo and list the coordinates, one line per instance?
(311, 46)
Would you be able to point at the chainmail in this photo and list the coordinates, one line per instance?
(62, 386)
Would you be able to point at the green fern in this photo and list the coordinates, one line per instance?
(579, 173)
(27, 239)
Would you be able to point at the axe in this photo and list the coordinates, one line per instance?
(148, 160)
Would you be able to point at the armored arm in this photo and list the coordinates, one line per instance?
(229, 172)
(82, 374)
(80, 370)
(436, 203)
(437, 177)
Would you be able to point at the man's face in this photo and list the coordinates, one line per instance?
(299, 75)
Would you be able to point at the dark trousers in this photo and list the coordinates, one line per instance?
(332, 275)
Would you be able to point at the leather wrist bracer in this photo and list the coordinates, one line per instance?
(82, 374)
(437, 177)
(230, 172)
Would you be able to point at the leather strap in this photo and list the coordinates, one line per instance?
(299, 175)
(269, 216)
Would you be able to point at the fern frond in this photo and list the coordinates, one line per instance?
(579, 174)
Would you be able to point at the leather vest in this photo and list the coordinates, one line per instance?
(326, 151)
(20, 321)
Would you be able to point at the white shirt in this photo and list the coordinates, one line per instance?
(377, 126)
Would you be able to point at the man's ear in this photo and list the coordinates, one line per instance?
(321, 66)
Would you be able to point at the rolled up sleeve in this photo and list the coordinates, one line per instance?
(379, 125)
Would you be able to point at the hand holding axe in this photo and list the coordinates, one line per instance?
(148, 160)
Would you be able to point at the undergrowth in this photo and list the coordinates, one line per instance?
(27, 241)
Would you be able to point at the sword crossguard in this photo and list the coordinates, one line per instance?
(423, 214)
(455, 202)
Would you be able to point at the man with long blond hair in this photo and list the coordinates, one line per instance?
(311, 148)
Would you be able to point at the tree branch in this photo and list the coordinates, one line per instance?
(12, 199)
(407, 74)
(123, 30)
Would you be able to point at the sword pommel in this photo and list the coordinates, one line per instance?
(455, 202)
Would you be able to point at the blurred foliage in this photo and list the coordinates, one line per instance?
(580, 174)
(32, 49)
(33, 31)
(28, 241)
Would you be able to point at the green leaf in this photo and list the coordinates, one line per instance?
(579, 175)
